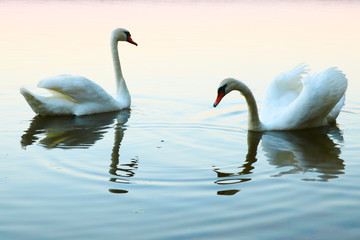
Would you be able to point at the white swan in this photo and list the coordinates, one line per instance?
(75, 95)
(292, 102)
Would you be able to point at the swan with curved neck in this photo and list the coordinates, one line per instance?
(76, 95)
(292, 102)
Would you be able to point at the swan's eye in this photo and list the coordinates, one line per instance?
(222, 89)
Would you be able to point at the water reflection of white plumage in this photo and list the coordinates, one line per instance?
(71, 131)
(68, 132)
(305, 151)
(308, 151)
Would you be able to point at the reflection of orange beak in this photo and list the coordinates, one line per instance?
(129, 39)
(218, 99)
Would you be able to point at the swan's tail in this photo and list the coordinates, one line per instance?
(31, 99)
(331, 118)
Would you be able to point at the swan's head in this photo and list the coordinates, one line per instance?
(121, 34)
(225, 86)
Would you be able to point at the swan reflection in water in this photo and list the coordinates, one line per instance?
(308, 151)
(69, 132)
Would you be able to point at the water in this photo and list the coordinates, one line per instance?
(174, 167)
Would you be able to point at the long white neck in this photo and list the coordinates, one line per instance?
(122, 92)
(254, 123)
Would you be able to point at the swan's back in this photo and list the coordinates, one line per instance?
(78, 88)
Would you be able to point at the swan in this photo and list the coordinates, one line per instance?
(76, 95)
(292, 102)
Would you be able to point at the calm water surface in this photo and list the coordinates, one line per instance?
(173, 167)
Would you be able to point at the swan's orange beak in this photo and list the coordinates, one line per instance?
(219, 97)
(129, 39)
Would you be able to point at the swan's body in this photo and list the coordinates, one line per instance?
(292, 102)
(75, 95)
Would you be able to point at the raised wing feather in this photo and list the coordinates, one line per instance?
(320, 94)
(281, 92)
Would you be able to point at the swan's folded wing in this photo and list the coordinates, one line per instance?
(76, 88)
(281, 92)
(320, 94)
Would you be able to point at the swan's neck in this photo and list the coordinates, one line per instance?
(122, 92)
(254, 123)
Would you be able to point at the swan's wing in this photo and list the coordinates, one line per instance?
(75, 88)
(321, 93)
(281, 92)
